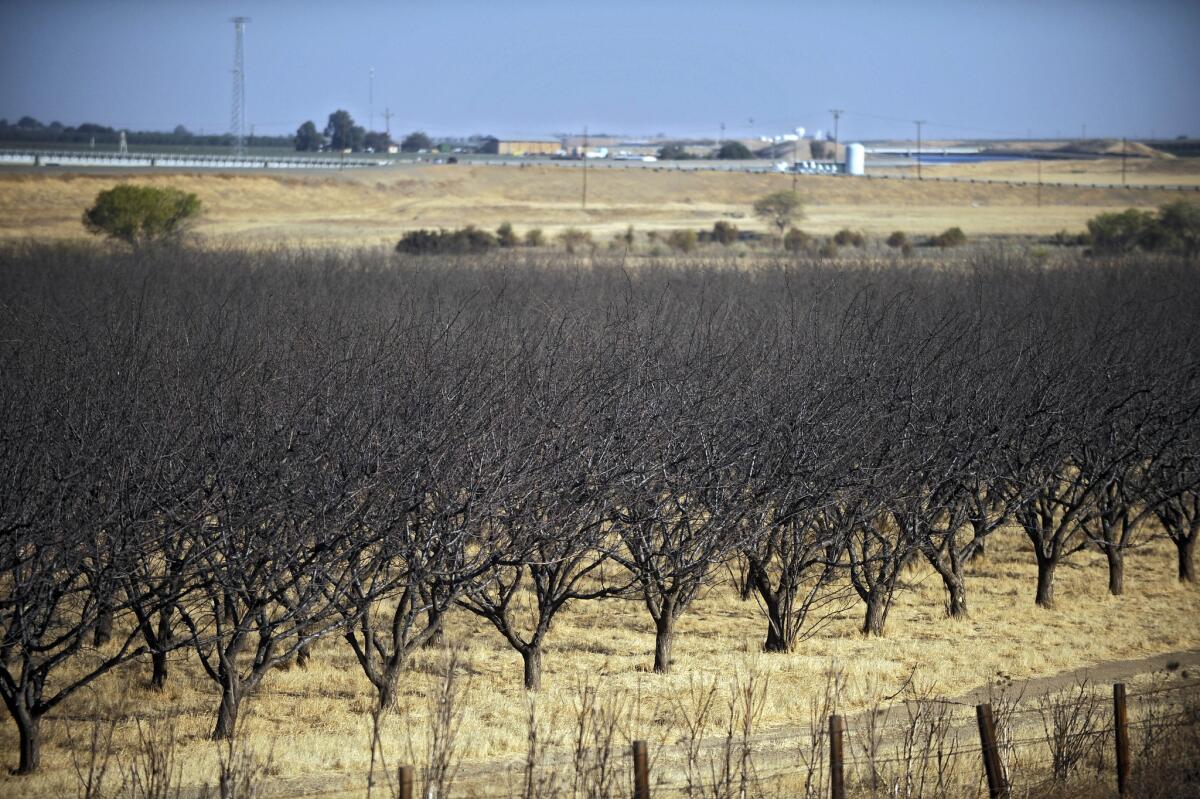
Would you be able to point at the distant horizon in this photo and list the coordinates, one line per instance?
(702, 70)
(397, 136)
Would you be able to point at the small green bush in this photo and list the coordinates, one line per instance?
(1117, 233)
(724, 233)
(1179, 226)
(506, 237)
(574, 239)
(897, 240)
(1174, 228)
(465, 241)
(847, 237)
(535, 238)
(1064, 239)
(139, 215)
(682, 240)
(796, 240)
(950, 237)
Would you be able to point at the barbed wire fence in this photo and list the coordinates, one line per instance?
(935, 748)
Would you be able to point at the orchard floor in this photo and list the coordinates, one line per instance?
(315, 723)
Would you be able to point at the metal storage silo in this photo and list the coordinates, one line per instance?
(856, 159)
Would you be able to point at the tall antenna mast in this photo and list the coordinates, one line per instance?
(371, 101)
(387, 121)
(237, 115)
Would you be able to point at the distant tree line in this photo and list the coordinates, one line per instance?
(341, 132)
(31, 131)
(234, 455)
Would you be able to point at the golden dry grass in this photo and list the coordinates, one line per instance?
(316, 721)
(367, 208)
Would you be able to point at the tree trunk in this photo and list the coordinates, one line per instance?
(1045, 583)
(776, 640)
(877, 608)
(532, 656)
(158, 676)
(664, 639)
(30, 733)
(104, 625)
(162, 641)
(227, 714)
(1116, 570)
(1186, 548)
(956, 593)
(303, 654)
(438, 638)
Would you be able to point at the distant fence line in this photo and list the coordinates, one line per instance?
(49, 158)
(176, 160)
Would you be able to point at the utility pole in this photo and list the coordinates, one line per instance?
(237, 114)
(1124, 154)
(387, 121)
(919, 123)
(585, 160)
(837, 113)
(371, 100)
(721, 138)
(795, 173)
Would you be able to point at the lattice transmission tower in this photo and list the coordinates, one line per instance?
(237, 116)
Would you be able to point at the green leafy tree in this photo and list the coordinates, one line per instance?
(415, 142)
(377, 141)
(308, 139)
(139, 215)
(780, 209)
(674, 152)
(343, 134)
(734, 151)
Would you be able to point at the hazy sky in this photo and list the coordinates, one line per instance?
(970, 67)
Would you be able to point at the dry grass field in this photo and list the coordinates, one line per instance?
(374, 207)
(315, 722)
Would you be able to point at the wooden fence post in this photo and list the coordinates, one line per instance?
(405, 778)
(991, 753)
(1121, 725)
(837, 781)
(641, 771)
